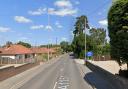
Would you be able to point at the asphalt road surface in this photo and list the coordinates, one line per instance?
(63, 74)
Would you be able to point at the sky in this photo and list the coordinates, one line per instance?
(47, 21)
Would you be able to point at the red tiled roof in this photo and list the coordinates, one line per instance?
(15, 49)
(1, 49)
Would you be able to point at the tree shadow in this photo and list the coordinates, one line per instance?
(123, 73)
(96, 81)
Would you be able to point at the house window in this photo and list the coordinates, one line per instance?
(27, 56)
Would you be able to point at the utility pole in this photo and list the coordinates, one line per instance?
(48, 52)
(85, 40)
(56, 46)
(48, 37)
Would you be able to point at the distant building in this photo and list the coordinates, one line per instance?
(16, 52)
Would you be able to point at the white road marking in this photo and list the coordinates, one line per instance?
(63, 83)
(55, 85)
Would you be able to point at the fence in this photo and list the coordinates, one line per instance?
(102, 58)
(6, 60)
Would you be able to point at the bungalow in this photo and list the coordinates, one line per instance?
(16, 52)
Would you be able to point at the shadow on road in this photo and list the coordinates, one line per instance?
(96, 81)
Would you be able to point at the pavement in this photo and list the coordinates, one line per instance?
(95, 79)
(110, 66)
(61, 73)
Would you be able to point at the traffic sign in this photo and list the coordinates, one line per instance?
(89, 54)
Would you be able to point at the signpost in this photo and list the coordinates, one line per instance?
(89, 54)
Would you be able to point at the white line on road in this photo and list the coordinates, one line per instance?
(55, 85)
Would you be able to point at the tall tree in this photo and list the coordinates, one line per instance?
(78, 43)
(118, 31)
(80, 25)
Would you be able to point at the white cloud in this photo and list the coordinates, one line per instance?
(103, 22)
(21, 19)
(4, 29)
(48, 27)
(63, 39)
(39, 11)
(63, 12)
(63, 3)
(64, 8)
(37, 27)
(58, 24)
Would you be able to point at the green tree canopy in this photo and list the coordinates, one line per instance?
(65, 46)
(24, 44)
(118, 30)
(98, 39)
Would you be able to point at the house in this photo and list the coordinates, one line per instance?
(16, 52)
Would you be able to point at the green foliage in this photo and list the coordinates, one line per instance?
(118, 30)
(24, 44)
(97, 40)
(106, 49)
(65, 46)
(78, 43)
(89, 43)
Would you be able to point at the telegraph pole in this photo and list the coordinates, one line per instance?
(56, 46)
(48, 29)
(85, 40)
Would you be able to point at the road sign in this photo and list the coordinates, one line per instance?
(89, 54)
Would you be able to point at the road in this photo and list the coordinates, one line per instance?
(63, 74)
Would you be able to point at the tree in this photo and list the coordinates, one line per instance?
(24, 44)
(65, 46)
(80, 25)
(118, 31)
(8, 43)
(78, 43)
(98, 40)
